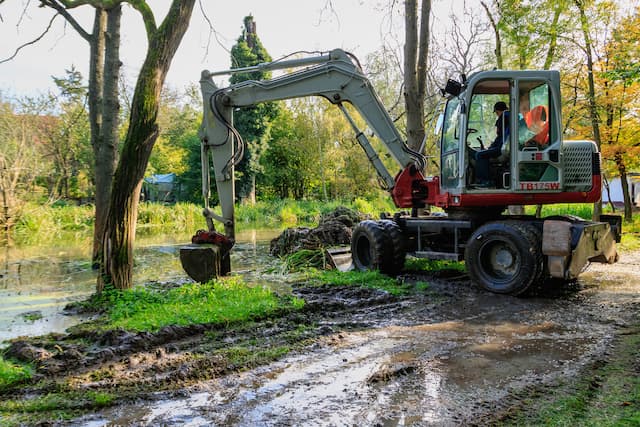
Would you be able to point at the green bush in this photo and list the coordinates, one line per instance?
(11, 373)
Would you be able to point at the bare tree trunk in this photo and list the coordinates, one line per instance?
(117, 266)
(416, 49)
(622, 169)
(608, 188)
(103, 99)
(496, 32)
(105, 151)
(96, 80)
(5, 203)
(252, 192)
(593, 107)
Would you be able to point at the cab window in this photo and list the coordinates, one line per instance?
(533, 116)
(449, 161)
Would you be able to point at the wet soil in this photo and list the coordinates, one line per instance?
(450, 355)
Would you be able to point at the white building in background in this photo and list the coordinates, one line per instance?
(614, 195)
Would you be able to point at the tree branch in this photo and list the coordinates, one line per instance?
(212, 30)
(98, 4)
(34, 41)
(147, 16)
(61, 8)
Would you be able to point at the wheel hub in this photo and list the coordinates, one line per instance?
(502, 260)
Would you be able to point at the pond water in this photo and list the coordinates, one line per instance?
(36, 283)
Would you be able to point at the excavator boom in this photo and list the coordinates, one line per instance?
(335, 76)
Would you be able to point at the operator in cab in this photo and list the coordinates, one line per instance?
(533, 123)
(495, 149)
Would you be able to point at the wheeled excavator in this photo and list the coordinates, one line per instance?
(502, 253)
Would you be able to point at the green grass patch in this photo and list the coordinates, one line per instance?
(54, 406)
(365, 279)
(224, 300)
(608, 395)
(38, 224)
(582, 210)
(32, 316)
(424, 264)
(305, 259)
(245, 357)
(13, 373)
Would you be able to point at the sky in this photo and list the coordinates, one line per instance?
(284, 27)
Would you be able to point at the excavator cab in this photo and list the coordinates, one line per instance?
(530, 156)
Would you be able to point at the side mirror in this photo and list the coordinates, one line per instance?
(453, 88)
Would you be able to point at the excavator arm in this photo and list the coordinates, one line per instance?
(335, 76)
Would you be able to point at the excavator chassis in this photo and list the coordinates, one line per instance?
(506, 254)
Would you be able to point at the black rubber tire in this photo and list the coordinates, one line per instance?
(536, 235)
(504, 257)
(396, 251)
(368, 244)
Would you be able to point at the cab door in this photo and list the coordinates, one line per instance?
(450, 172)
(538, 160)
(482, 134)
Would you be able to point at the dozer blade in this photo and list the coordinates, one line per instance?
(340, 257)
(204, 262)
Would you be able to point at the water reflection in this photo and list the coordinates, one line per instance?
(37, 282)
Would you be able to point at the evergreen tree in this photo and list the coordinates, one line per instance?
(253, 123)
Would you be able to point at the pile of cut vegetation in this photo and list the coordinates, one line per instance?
(334, 229)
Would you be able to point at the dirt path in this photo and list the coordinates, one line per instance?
(454, 355)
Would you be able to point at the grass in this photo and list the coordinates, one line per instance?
(53, 223)
(13, 373)
(423, 264)
(60, 406)
(608, 395)
(631, 234)
(32, 316)
(365, 279)
(582, 210)
(221, 301)
(246, 357)
(305, 259)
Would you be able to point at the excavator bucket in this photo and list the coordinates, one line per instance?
(207, 257)
(204, 262)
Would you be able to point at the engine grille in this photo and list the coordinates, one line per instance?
(578, 165)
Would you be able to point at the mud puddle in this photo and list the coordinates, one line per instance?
(392, 376)
(453, 356)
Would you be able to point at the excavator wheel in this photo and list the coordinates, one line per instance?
(394, 262)
(504, 257)
(368, 245)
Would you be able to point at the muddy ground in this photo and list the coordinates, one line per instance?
(450, 355)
